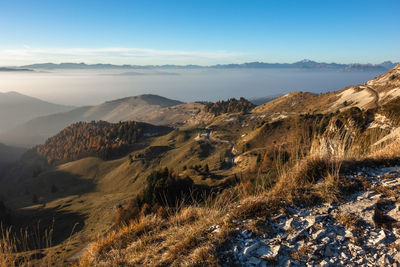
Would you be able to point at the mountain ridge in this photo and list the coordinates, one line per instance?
(304, 64)
(144, 108)
(16, 108)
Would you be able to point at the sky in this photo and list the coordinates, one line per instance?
(203, 32)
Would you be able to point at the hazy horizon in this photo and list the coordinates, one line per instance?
(91, 87)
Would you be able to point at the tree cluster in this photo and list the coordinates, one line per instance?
(229, 106)
(83, 139)
(164, 188)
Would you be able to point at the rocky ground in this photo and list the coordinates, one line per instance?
(360, 230)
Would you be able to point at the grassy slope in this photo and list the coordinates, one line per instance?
(88, 190)
(298, 102)
(195, 234)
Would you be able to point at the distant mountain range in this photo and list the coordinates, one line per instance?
(16, 108)
(304, 64)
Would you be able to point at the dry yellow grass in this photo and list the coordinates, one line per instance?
(302, 253)
(312, 179)
(348, 220)
(390, 151)
(24, 250)
(186, 238)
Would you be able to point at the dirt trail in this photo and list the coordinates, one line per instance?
(231, 157)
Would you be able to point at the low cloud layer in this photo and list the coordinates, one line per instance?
(134, 56)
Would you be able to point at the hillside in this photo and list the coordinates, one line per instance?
(145, 108)
(87, 190)
(9, 155)
(312, 188)
(16, 108)
(96, 139)
(372, 94)
(229, 106)
(284, 215)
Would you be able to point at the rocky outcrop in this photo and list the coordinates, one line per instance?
(360, 230)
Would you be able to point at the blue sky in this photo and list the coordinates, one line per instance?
(198, 31)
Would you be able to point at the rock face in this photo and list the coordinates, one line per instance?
(361, 230)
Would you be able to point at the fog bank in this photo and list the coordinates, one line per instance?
(89, 87)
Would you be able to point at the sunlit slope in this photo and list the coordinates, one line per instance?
(89, 189)
(371, 94)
